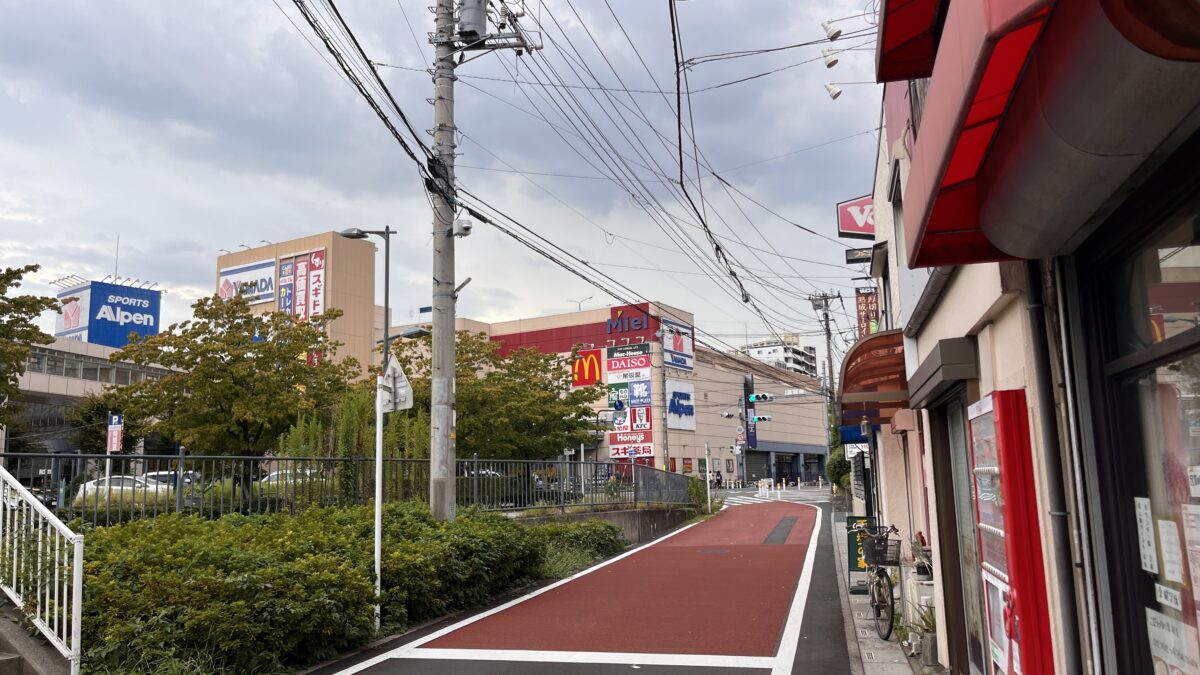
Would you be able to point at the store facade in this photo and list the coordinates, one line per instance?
(1037, 211)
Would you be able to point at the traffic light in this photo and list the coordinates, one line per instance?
(762, 418)
(761, 398)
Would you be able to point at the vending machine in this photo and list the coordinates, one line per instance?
(1016, 617)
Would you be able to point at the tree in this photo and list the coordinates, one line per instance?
(515, 406)
(238, 380)
(837, 466)
(17, 333)
(88, 420)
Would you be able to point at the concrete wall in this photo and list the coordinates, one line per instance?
(638, 526)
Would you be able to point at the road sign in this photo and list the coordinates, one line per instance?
(116, 431)
(395, 391)
(741, 430)
(741, 438)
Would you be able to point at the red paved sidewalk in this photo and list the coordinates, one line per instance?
(715, 588)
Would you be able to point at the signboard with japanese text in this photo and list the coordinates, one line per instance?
(639, 419)
(316, 283)
(687, 464)
(639, 394)
(866, 302)
(618, 393)
(627, 351)
(116, 432)
(625, 451)
(854, 540)
(302, 289)
(287, 286)
(586, 369)
(858, 256)
(620, 420)
(856, 218)
(678, 342)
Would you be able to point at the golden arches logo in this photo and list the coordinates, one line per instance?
(586, 369)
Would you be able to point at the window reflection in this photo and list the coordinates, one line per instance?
(1158, 290)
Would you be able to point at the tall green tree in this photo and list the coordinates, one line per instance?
(515, 406)
(88, 420)
(239, 380)
(17, 333)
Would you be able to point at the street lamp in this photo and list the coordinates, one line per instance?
(386, 234)
(579, 303)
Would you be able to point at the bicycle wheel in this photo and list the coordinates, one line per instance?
(884, 604)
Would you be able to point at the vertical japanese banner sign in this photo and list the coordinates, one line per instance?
(316, 283)
(301, 288)
(116, 432)
(867, 305)
(287, 286)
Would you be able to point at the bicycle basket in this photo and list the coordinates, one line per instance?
(882, 552)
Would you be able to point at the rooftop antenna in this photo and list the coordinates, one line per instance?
(117, 257)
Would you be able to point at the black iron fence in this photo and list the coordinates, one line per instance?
(110, 489)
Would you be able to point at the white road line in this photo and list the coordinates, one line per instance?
(786, 656)
(624, 658)
(400, 652)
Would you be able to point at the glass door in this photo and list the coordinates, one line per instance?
(964, 509)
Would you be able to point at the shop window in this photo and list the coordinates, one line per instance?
(1157, 292)
(37, 363)
(71, 367)
(91, 371)
(54, 364)
(123, 376)
(1163, 405)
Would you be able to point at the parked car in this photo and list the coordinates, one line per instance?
(170, 477)
(289, 476)
(131, 489)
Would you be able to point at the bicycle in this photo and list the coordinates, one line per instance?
(880, 552)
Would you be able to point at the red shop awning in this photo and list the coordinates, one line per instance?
(983, 51)
(905, 47)
(873, 384)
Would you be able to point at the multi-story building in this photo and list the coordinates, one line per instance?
(308, 276)
(785, 353)
(1031, 403)
(677, 398)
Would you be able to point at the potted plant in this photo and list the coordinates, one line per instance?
(922, 562)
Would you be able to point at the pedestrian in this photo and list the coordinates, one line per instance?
(718, 480)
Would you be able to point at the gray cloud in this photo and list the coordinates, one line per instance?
(188, 127)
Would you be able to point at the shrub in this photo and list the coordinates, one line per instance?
(271, 593)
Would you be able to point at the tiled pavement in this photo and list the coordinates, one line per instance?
(869, 655)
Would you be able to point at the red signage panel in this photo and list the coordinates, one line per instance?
(586, 368)
(856, 218)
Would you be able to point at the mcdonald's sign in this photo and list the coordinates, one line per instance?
(586, 369)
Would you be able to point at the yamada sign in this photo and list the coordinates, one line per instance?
(586, 368)
(856, 218)
(254, 281)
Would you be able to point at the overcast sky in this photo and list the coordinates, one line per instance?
(187, 127)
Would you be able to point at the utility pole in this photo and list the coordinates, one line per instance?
(820, 304)
(471, 34)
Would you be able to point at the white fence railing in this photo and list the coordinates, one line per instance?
(41, 567)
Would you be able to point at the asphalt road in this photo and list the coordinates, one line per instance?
(752, 590)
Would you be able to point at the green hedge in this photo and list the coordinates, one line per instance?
(271, 593)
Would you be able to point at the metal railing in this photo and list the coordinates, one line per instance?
(41, 567)
(106, 490)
